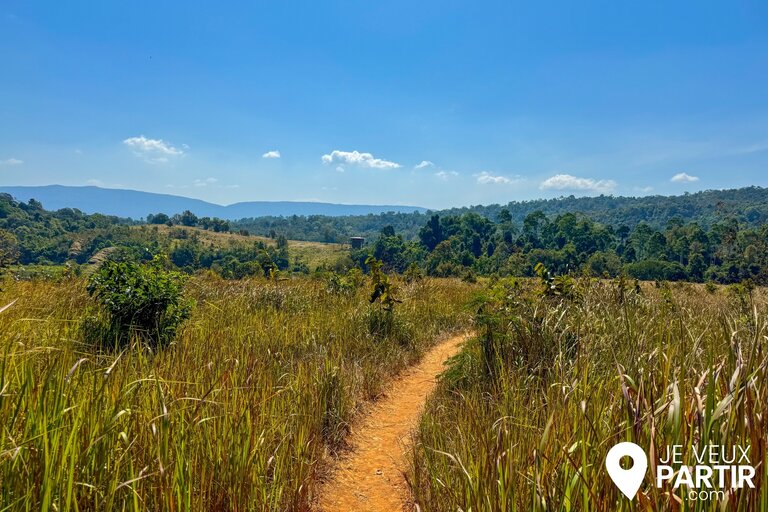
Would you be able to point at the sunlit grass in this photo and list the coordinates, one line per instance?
(669, 366)
(236, 414)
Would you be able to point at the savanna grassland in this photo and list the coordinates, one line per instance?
(563, 369)
(183, 365)
(237, 412)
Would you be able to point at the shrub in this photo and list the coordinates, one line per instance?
(141, 299)
(563, 286)
(381, 319)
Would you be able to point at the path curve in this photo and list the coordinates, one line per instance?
(371, 477)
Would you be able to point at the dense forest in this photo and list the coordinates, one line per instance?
(748, 206)
(726, 252)
(709, 236)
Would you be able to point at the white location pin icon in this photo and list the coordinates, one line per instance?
(627, 480)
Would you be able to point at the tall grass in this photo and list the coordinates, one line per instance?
(569, 378)
(236, 414)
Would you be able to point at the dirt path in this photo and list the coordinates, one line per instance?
(370, 477)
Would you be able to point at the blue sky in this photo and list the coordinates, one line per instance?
(430, 103)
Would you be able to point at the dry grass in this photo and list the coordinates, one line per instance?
(314, 254)
(571, 378)
(234, 415)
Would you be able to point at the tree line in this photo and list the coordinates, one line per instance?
(469, 244)
(749, 206)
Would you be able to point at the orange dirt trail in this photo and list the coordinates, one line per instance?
(371, 477)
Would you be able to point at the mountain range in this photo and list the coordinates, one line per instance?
(135, 204)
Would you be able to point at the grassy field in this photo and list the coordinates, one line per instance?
(526, 414)
(314, 254)
(236, 414)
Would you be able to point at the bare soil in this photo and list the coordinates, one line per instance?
(371, 476)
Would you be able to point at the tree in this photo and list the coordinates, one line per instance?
(9, 248)
(159, 218)
(432, 233)
(188, 218)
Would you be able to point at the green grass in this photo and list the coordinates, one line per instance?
(525, 415)
(237, 414)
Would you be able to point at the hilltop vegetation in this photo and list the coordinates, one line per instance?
(29, 234)
(468, 245)
(719, 245)
(748, 206)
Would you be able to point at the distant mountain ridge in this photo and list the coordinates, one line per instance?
(136, 204)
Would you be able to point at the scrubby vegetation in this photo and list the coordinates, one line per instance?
(562, 370)
(142, 301)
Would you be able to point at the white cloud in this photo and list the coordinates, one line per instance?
(444, 175)
(644, 190)
(271, 154)
(359, 159)
(486, 178)
(204, 183)
(339, 168)
(153, 150)
(682, 177)
(11, 161)
(424, 164)
(568, 182)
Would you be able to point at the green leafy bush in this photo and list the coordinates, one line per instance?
(145, 300)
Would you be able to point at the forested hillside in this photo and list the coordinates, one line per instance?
(746, 205)
(727, 251)
(30, 234)
(726, 243)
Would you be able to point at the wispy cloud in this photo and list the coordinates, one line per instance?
(99, 183)
(444, 175)
(644, 190)
(205, 182)
(424, 164)
(359, 159)
(271, 154)
(752, 148)
(486, 178)
(202, 183)
(569, 182)
(11, 161)
(153, 150)
(682, 177)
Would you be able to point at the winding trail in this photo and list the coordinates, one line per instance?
(371, 477)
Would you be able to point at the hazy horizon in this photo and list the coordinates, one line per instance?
(420, 206)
